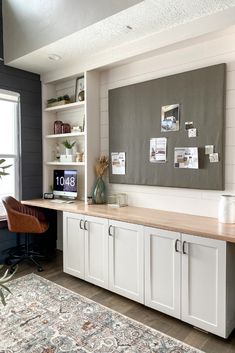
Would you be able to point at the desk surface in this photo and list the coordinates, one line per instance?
(179, 222)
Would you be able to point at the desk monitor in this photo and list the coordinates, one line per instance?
(65, 183)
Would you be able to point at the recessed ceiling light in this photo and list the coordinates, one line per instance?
(54, 57)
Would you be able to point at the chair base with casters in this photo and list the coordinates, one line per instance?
(24, 220)
(24, 253)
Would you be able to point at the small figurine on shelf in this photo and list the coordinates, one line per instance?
(81, 96)
(76, 128)
(99, 193)
(78, 157)
(57, 152)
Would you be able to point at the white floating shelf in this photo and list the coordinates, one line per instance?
(66, 163)
(71, 134)
(68, 106)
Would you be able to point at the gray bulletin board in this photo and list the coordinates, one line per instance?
(135, 118)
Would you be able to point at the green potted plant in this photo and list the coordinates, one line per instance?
(3, 168)
(68, 146)
(5, 278)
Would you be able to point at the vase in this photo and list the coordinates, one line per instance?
(58, 127)
(99, 195)
(66, 128)
(68, 151)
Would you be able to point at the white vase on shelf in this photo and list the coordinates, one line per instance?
(68, 151)
(226, 212)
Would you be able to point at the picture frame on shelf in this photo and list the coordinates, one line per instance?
(79, 89)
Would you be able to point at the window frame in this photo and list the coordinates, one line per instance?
(14, 97)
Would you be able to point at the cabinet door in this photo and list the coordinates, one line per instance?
(73, 244)
(162, 270)
(126, 260)
(96, 251)
(204, 283)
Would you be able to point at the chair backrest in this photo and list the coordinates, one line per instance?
(10, 203)
(23, 219)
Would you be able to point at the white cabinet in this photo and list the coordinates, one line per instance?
(162, 270)
(109, 254)
(185, 277)
(204, 283)
(85, 243)
(73, 245)
(96, 250)
(126, 260)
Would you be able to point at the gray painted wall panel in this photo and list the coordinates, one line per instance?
(135, 118)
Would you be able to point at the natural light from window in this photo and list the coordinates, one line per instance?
(9, 145)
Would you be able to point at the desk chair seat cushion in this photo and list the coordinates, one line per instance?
(24, 219)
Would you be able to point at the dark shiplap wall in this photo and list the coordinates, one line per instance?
(1, 33)
(28, 85)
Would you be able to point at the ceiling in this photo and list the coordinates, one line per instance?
(121, 28)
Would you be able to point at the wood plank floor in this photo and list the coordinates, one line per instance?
(172, 327)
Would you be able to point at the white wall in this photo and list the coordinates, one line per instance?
(200, 202)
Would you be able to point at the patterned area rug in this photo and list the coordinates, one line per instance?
(42, 317)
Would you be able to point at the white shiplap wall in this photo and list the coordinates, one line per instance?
(199, 202)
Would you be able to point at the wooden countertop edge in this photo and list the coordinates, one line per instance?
(199, 225)
(163, 226)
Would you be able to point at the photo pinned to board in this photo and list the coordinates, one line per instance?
(118, 161)
(210, 152)
(214, 157)
(157, 150)
(170, 118)
(186, 157)
(188, 125)
(191, 130)
(209, 149)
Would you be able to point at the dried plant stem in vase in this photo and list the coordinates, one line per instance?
(99, 194)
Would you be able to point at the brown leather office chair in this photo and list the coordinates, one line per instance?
(24, 219)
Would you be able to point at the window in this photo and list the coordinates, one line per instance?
(9, 145)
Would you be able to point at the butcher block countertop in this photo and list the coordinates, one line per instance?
(178, 222)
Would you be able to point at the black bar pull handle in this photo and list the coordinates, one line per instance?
(110, 233)
(81, 224)
(184, 249)
(176, 245)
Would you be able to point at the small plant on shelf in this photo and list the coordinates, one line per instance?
(52, 102)
(68, 145)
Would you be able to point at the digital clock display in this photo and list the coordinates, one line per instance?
(65, 180)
